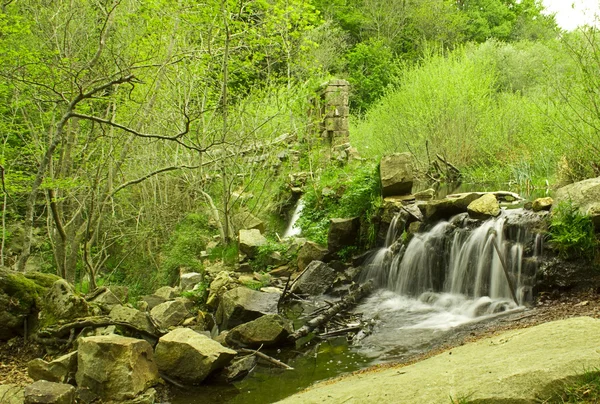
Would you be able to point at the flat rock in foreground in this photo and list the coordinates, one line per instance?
(512, 367)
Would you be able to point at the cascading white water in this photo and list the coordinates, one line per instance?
(292, 229)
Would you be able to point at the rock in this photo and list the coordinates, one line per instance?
(516, 366)
(169, 314)
(542, 204)
(484, 207)
(115, 367)
(267, 330)
(425, 195)
(190, 357)
(250, 241)
(221, 284)
(21, 296)
(189, 280)
(132, 316)
(11, 394)
(205, 321)
(396, 174)
(121, 292)
(241, 305)
(244, 220)
(152, 301)
(310, 252)
(342, 233)
(449, 206)
(60, 370)
(585, 196)
(62, 303)
(167, 292)
(240, 368)
(44, 392)
(316, 280)
(106, 300)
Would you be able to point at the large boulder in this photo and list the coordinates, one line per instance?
(11, 394)
(316, 279)
(133, 317)
(396, 174)
(44, 392)
(115, 367)
(62, 303)
(167, 292)
(169, 314)
(342, 233)
(106, 300)
(310, 252)
(449, 206)
(484, 207)
(585, 196)
(250, 240)
(60, 370)
(21, 296)
(267, 330)
(189, 280)
(190, 357)
(241, 305)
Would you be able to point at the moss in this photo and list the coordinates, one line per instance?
(42, 279)
(26, 291)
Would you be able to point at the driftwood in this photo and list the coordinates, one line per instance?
(266, 357)
(57, 332)
(345, 303)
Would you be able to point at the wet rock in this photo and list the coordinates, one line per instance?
(396, 174)
(190, 357)
(62, 303)
(241, 305)
(11, 394)
(483, 208)
(167, 292)
(267, 330)
(169, 314)
(244, 220)
(342, 233)
(132, 316)
(189, 280)
(250, 241)
(585, 196)
(240, 368)
(310, 252)
(106, 300)
(44, 392)
(115, 367)
(542, 204)
(60, 370)
(449, 206)
(316, 280)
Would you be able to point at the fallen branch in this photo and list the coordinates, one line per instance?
(266, 357)
(58, 331)
(345, 303)
(341, 331)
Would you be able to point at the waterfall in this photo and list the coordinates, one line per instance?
(292, 229)
(458, 258)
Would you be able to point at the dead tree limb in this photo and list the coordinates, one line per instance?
(266, 357)
(348, 301)
(60, 331)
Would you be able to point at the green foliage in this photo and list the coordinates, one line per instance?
(199, 294)
(227, 253)
(572, 233)
(263, 260)
(351, 191)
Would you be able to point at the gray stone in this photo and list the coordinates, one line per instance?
(223, 282)
(267, 330)
(244, 220)
(316, 279)
(169, 314)
(483, 208)
(121, 292)
(189, 280)
(107, 300)
(342, 233)
(152, 301)
(60, 370)
(310, 252)
(167, 292)
(396, 174)
(449, 206)
(250, 241)
(132, 316)
(44, 392)
(516, 366)
(542, 204)
(241, 305)
(115, 367)
(425, 195)
(11, 394)
(585, 196)
(62, 303)
(240, 368)
(190, 357)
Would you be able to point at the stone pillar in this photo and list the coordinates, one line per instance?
(335, 111)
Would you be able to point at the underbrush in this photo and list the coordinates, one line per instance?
(571, 233)
(582, 389)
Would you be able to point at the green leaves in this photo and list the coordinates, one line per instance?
(572, 233)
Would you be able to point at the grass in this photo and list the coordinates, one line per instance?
(582, 389)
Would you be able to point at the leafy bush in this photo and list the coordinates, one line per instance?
(263, 261)
(572, 233)
(198, 295)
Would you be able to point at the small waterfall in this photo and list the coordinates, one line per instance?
(457, 258)
(292, 229)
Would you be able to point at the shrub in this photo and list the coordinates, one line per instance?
(572, 233)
